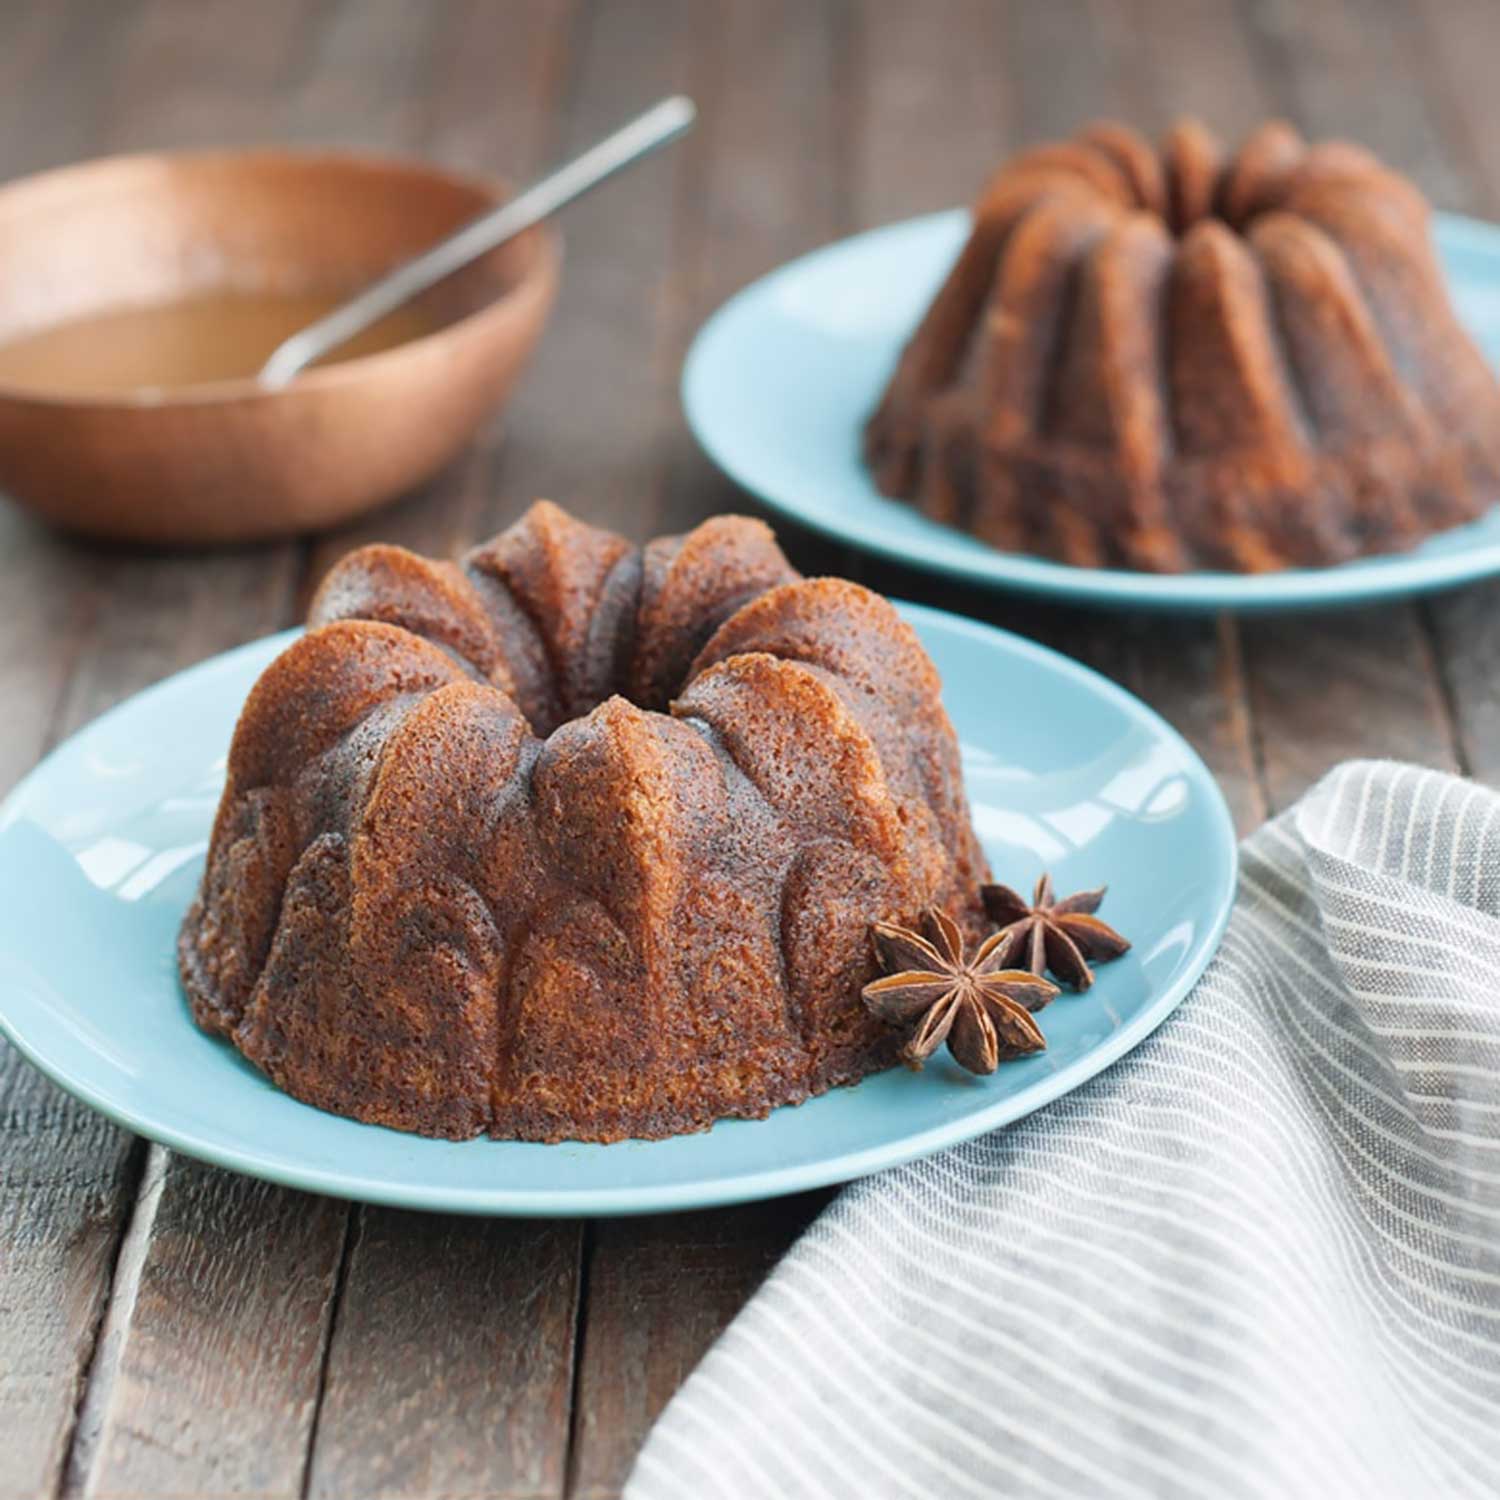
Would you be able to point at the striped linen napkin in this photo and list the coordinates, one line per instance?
(1260, 1256)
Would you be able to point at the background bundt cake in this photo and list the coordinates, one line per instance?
(1170, 359)
(574, 839)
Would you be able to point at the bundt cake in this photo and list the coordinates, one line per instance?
(571, 839)
(1172, 359)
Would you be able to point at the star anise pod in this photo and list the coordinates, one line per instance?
(1048, 934)
(975, 1004)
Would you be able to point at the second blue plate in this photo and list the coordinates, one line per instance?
(781, 379)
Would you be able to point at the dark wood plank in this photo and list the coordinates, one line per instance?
(936, 109)
(1192, 671)
(66, 1178)
(1465, 626)
(42, 637)
(1329, 687)
(55, 76)
(451, 1366)
(213, 80)
(494, 87)
(151, 614)
(1177, 63)
(660, 1291)
(1452, 45)
(357, 74)
(215, 1358)
(1350, 68)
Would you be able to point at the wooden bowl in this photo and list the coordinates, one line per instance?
(228, 461)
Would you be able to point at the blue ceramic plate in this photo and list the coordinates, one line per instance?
(780, 380)
(102, 845)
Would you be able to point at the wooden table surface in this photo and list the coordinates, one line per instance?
(170, 1329)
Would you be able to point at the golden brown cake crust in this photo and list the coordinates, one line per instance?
(571, 840)
(1175, 358)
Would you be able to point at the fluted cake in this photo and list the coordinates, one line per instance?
(574, 839)
(1174, 358)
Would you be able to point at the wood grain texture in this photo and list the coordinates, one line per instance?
(450, 1371)
(43, 635)
(176, 79)
(1177, 62)
(1465, 626)
(1339, 686)
(66, 1176)
(1451, 48)
(660, 1290)
(215, 1381)
(1348, 68)
(46, 615)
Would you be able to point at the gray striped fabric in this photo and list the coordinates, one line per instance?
(1258, 1257)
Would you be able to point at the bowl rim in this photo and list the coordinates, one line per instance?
(536, 283)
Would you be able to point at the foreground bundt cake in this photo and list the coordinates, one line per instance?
(575, 839)
(1171, 359)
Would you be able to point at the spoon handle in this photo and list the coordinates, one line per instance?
(660, 124)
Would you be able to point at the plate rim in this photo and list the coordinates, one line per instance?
(1368, 580)
(701, 1192)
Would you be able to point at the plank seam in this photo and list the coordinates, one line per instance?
(586, 1245)
(849, 89)
(100, 1368)
(1242, 701)
(353, 1220)
(1443, 688)
(1267, 49)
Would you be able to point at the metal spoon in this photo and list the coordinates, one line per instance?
(660, 124)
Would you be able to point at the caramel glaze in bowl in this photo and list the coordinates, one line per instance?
(230, 461)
